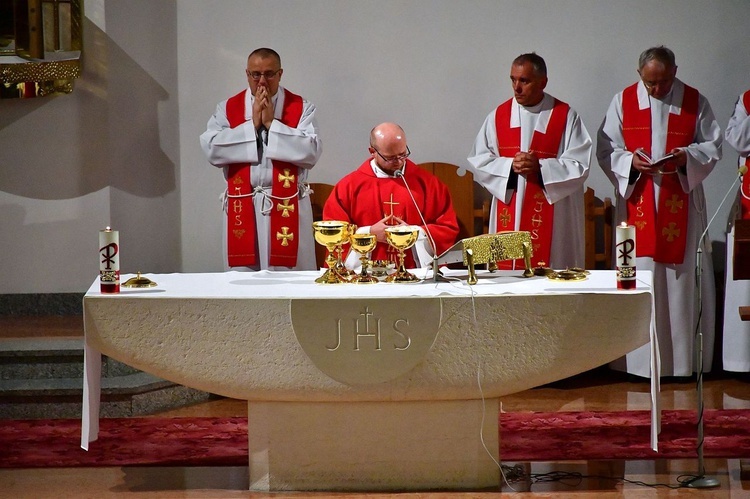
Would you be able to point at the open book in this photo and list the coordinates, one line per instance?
(658, 162)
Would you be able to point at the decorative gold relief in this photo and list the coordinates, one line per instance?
(40, 47)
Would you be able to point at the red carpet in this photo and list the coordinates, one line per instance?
(550, 436)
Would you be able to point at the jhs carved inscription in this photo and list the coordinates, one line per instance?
(368, 333)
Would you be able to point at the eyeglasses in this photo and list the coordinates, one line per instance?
(394, 159)
(255, 75)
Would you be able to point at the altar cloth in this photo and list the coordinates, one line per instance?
(231, 333)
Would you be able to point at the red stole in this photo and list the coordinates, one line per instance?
(745, 188)
(661, 232)
(536, 212)
(284, 239)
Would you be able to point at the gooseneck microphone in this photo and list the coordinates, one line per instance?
(400, 174)
(702, 481)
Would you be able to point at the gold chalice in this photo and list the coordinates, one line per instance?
(340, 268)
(363, 244)
(331, 234)
(402, 237)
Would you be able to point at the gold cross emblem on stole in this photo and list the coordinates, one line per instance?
(285, 208)
(671, 231)
(285, 236)
(505, 217)
(673, 203)
(286, 177)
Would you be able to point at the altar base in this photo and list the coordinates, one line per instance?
(373, 446)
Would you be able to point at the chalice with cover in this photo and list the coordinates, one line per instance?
(331, 234)
(363, 244)
(402, 237)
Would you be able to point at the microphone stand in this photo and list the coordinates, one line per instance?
(702, 481)
(435, 271)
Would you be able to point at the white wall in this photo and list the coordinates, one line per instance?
(123, 148)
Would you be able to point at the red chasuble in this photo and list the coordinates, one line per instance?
(537, 214)
(745, 198)
(363, 199)
(661, 232)
(241, 231)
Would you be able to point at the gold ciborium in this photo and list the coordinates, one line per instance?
(363, 244)
(402, 237)
(331, 234)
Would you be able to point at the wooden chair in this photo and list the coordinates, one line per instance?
(318, 197)
(599, 218)
(472, 211)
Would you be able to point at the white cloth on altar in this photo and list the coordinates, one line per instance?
(300, 146)
(736, 338)
(294, 285)
(674, 285)
(563, 176)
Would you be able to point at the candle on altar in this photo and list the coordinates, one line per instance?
(625, 256)
(109, 261)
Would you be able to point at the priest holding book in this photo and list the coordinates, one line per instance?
(663, 198)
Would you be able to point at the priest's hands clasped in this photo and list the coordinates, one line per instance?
(262, 108)
(525, 163)
(378, 228)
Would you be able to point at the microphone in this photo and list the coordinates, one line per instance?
(703, 481)
(740, 172)
(400, 174)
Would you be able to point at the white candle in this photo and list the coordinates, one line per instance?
(625, 256)
(109, 261)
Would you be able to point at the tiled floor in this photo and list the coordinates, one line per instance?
(597, 390)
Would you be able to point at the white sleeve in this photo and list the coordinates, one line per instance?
(737, 134)
(224, 145)
(567, 173)
(301, 145)
(489, 169)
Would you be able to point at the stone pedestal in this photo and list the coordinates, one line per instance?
(368, 446)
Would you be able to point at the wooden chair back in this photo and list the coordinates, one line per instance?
(318, 197)
(599, 219)
(460, 183)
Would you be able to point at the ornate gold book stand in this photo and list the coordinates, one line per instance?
(487, 249)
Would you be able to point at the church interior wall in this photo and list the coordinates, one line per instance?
(123, 150)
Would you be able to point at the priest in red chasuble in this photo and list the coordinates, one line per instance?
(378, 194)
(657, 144)
(736, 351)
(532, 154)
(265, 139)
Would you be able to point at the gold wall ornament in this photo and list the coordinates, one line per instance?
(41, 42)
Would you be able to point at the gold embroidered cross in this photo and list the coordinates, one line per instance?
(392, 203)
(238, 233)
(285, 236)
(674, 203)
(505, 217)
(286, 177)
(285, 208)
(671, 231)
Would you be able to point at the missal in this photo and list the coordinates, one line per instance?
(659, 162)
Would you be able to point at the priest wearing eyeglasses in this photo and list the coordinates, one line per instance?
(265, 139)
(388, 189)
(658, 143)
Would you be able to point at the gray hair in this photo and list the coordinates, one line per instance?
(660, 54)
(536, 61)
